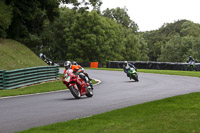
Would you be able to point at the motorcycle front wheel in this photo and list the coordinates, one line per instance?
(90, 92)
(135, 77)
(75, 92)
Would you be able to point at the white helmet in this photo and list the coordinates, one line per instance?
(126, 62)
(41, 54)
(67, 64)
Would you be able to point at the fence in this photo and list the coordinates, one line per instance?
(154, 65)
(21, 77)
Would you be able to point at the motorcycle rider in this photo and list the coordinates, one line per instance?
(82, 69)
(191, 64)
(43, 56)
(76, 70)
(190, 59)
(76, 64)
(45, 59)
(127, 67)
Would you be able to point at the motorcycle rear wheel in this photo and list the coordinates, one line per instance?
(76, 93)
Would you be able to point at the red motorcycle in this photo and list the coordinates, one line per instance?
(77, 85)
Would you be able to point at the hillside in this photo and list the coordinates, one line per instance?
(14, 55)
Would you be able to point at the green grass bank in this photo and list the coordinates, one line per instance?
(14, 55)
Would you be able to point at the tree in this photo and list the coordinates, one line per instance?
(177, 49)
(178, 35)
(143, 49)
(83, 5)
(131, 43)
(190, 28)
(62, 29)
(135, 46)
(29, 18)
(94, 38)
(5, 18)
(121, 17)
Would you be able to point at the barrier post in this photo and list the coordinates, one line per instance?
(2, 79)
(57, 72)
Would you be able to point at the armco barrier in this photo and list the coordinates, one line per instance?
(153, 65)
(21, 77)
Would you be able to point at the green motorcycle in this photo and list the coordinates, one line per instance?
(191, 66)
(133, 74)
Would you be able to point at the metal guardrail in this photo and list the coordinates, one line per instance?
(154, 65)
(21, 77)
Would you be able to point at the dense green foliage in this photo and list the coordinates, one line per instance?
(87, 36)
(121, 17)
(174, 42)
(5, 18)
(92, 35)
(14, 55)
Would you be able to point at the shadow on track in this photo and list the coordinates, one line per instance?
(72, 98)
(131, 81)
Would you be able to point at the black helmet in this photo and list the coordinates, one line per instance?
(74, 63)
(67, 64)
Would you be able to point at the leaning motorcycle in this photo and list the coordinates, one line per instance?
(77, 86)
(133, 74)
(191, 66)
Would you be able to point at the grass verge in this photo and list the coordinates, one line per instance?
(179, 114)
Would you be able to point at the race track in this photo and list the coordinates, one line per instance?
(115, 91)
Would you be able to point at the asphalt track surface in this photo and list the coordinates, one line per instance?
(115, 91)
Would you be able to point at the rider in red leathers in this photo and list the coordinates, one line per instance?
(76, 70)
